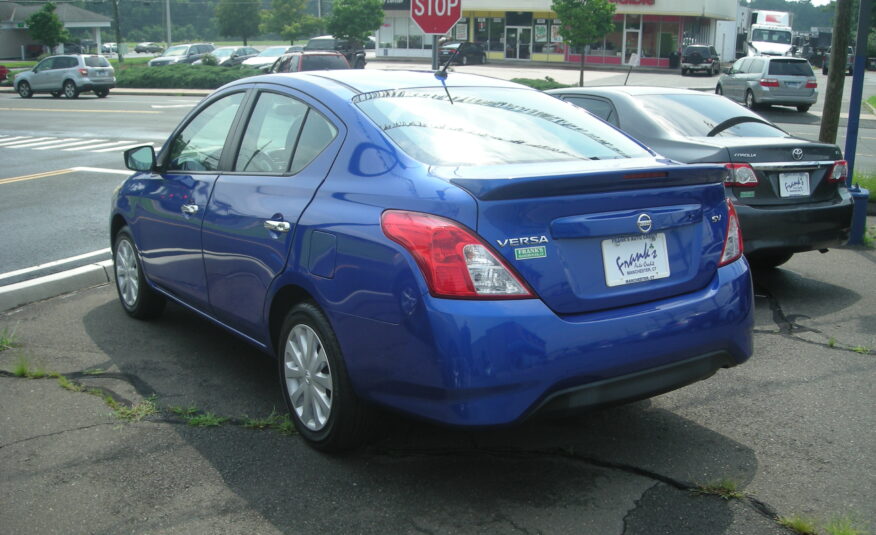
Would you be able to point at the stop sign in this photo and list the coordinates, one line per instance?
(436, 16)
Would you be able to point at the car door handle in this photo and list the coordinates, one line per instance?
(189, 209)
(277, 226)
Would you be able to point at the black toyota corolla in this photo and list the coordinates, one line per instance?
(790, 193)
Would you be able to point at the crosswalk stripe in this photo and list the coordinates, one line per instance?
(71, 144)
(14, 137)
(28, 142)
(52, 142)
(101, 146)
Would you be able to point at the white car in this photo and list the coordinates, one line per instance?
(268, 56)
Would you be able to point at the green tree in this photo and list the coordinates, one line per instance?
(239, 18)
(355, 20)
(583, 22)
(46, 27)
(289, 19)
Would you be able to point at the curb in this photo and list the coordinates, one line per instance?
(29, 291)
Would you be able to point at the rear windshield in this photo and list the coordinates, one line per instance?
(790, 67)
(697, 49)
(697, 115)
(490, 126)
(318, 63)
(96, 61)
(321, 44)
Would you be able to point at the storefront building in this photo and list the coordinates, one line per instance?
(650, 32)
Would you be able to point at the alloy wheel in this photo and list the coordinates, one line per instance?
(308, 377)
(126, 273)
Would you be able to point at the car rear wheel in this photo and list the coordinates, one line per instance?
(719, 90)
(24, 90)
(749, 100)
(137, 298)
(316, 388)
(70, 89)
(768, 260)
(803, 108)
(101, 93)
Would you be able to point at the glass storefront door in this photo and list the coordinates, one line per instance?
(631, 45)
(518, 42)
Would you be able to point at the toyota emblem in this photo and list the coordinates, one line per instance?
(644, 223)
(797, 154)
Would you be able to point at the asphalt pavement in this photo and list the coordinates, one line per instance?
(792, 429)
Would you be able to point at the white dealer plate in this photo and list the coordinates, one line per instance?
(794, 184)
(629, 259)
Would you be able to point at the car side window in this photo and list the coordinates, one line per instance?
(316, 135)
(756, 66)
(198, 147)
(271, 134)
(743, 67)
(598, 107)
(737, 67)
(69, 63)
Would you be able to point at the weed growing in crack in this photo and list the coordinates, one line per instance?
(67, 384)
(285, 427)
(862, 350)
(208, 419)
(268, 422)
(725, 488)
(831, 342)
(22, 367)
(95, 371)
(843, 526)
(136, 412)
(185, 412)
(7, 339)
(798, 524)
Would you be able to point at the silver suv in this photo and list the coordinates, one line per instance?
(766, 80)
(68, 75)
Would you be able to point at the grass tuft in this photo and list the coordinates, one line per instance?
(22, 367)
(861, 349)
(67, 384)
(285, 426)
(185, 412)
(843, 526)
(136, 412)
(7, 339)
(267, 422)
(725, 488)
(798, 524)
(208, 419)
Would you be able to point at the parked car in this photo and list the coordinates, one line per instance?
(850, 61)
(229, 56)
(67, 75)
(466, 250)
(188, 53)
(354, 53)
(770, 80)
(790, 193)
(702, 58)
(310, 61)
(148, 47)
(462, 52)
(109, 48)
(268, 56)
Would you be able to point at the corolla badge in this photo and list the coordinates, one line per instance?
(797, 154)
(644, 223)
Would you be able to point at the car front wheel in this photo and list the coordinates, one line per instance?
(24, 90)
(137, 298)
(719, 90)
(316, 388)
(70, 89)
(803, 108)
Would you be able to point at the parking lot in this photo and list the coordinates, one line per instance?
(792, 430)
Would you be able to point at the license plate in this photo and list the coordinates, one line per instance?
(793, 184)
(792, 84)
(629, 259)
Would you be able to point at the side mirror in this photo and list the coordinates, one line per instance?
(727, 70)
(140, 158)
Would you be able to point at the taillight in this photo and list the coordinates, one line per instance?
(839, 172)
(83, 72)
(811, 84)
(455, 263)
(769, 82)
(733, 239)
(740, 175)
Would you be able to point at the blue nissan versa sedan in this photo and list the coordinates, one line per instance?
(458, 248)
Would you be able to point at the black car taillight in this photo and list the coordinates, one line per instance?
(839, 172)
(740, 175)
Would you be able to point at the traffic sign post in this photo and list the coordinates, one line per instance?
(436, 17)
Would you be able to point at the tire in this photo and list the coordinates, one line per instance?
(101, 93)
(684, 72)
(749, 100)
(137, 298)
(24, 90)
(719, 90)
(56, 94)
(70, 89)
(769, 260)
(464, 60)
(317, 390)
(803, 108)
(360, 64)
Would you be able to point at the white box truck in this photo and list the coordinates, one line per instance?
(769, 33)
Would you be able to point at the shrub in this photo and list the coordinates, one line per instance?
(182, 76)
(209, 59)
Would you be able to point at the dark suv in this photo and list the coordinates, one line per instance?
(700, 58)
(354, 53)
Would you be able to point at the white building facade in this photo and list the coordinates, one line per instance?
(527, 30)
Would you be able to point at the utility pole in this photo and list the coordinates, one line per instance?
(167, 19)
(118, 32)
(836, 72)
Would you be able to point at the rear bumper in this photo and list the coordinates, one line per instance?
(698, 66)
(795, 229)
(471, 363)
(92, 85)
(767, 97)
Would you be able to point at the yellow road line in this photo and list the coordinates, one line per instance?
(81, 111)
(38, 175)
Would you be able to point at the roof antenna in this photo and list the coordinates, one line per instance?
(441, 73)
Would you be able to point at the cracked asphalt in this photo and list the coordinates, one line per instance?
(793, 429)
